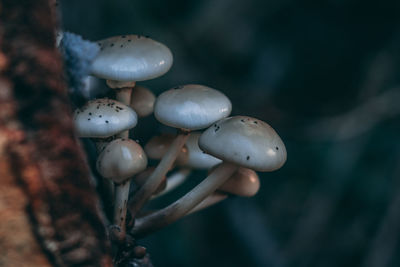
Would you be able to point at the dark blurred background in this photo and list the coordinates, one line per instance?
(325, 75)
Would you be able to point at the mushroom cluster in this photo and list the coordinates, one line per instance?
(231, 148)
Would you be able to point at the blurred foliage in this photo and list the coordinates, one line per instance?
(325, 75)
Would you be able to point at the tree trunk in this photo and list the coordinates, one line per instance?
(48, 208)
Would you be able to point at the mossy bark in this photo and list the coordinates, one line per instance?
(48, 206)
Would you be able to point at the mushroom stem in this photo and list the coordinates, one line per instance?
(121, 204)
(107, 186)
(182, 206)
(154, 180)
(123, 95)
(174, 180)
(209, 201)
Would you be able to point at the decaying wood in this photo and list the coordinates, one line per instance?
(49, 209)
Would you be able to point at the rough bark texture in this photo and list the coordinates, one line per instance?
(48, 207)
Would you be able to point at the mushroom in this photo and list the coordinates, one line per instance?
(120, 161)
(189, 107)
(238, 141)
(142, 101)
(124, 60)
(102, 118)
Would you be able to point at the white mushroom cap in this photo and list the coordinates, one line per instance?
(142, 101)
(158, 145)
(131, 58)
(191, 107)
(197, 158)
(246, 141)
(121, 159)
(101, 118)
(244, 182)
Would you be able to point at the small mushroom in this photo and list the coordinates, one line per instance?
(120, 161)
(245, 141)
(189, 107)
(238, 142)
(102, 118)
(131, 58)
(142, 101)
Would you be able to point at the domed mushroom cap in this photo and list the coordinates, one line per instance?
(191, 107)
(131, 58)
(158, 145)
(142, 101)
(244, 182)
(121, 159)
(246, 141)
(197, 158)
(101, 118)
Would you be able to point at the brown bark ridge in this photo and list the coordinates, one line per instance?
(48, 207)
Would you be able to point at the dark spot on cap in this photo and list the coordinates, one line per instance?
(88, 119)
(90, 113)
(111, 45)
(277, 148)
(122, 45)
(100, 116)
(106, 121)
(123, 36)
(129, 40)
(256, 122)
(248, 157)
(242, 120)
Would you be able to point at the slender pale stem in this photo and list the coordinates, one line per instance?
(182, 206)
(209, 201)
(123, 95)
(173, 181)
(106, 184)
(121, 204)
(154, 180)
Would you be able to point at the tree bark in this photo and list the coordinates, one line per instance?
(48, 208)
